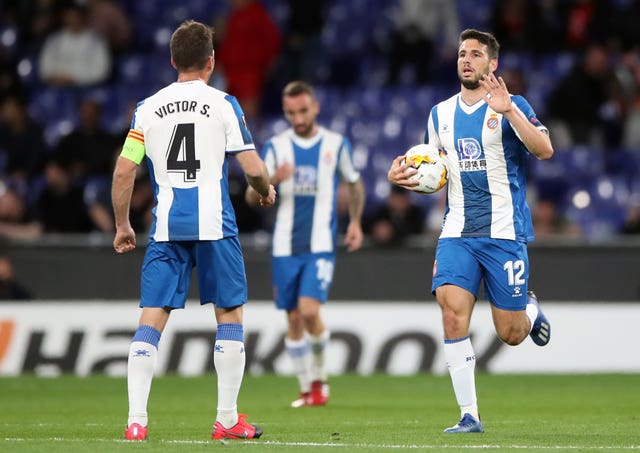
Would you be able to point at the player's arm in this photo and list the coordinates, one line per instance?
(537, 141)
(124, 177)
(353, 236)
(284, 171)
(258, 178)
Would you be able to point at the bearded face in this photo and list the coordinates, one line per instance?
(473, 63)
(301, 112)
(471, 79)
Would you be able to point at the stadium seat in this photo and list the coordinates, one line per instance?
(382, 122)
(599, 206)
(52, 104)
(521, 61)
(556, 65)
(623, 162)
(56, 129)
(580, 162)
(474, 13)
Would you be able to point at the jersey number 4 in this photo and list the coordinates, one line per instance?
(182, 151)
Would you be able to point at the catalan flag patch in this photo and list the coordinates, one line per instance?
(133, 148)
(136, 135)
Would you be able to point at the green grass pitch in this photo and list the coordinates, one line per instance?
(366, 413)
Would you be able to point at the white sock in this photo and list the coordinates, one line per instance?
(318, 347)
(229, 360)
(461, 362)
(532, 314)
(299, 352)
(140, 366)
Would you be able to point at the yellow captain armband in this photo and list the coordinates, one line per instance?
(133, 148)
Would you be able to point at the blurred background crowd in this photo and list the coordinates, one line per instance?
(72, 72)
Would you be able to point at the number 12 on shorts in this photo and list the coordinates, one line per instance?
(514, 269)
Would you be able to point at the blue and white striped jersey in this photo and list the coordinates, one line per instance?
(306, 219)
(486, 161)
(186, 130)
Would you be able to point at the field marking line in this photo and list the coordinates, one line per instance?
(343, 445)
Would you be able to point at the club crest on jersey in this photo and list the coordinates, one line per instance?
(327, 158)
(492, 122)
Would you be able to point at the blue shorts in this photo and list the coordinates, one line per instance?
(502, 264)
(305, 274)
(166, 273)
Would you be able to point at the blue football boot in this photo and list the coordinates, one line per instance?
(541, 330)
(467, 424)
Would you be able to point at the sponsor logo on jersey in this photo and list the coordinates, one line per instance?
(472, 165)
(469, 153)
(469, 148)
(305, 180)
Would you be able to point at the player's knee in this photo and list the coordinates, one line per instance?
(309, 317)
(512, 335)
(453, 323)
(295, 319)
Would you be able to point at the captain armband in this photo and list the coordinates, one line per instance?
(133, 148)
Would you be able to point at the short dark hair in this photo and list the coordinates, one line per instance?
(298, 87)
(484, 38)
(191, 45)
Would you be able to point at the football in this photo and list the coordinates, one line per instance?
(432, 170)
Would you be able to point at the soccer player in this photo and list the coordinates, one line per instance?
(186, 130)
(306, 162)
(486, 134)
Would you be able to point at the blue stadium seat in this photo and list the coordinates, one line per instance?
(580, 163)
(521, 61)
(474, 13)
(201, 10)
(599, 206)
(364, 132)
(623, 162)
(132, 69)
(50, 104)
(54, 130)
(556, 65)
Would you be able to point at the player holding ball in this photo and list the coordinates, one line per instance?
(486, 134)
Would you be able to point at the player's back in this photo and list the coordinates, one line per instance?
(188, 127)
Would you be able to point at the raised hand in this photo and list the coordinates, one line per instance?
(497, 95)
